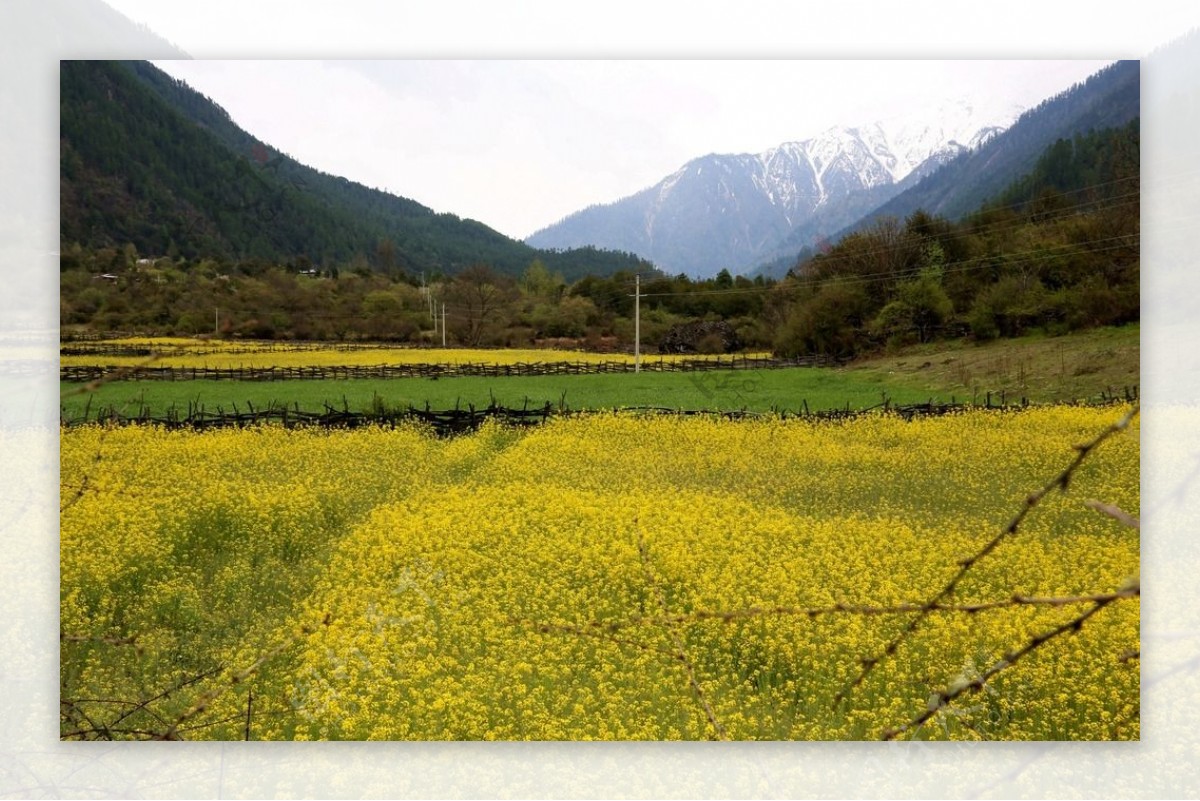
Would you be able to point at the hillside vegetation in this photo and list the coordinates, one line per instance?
(1058, 250)
(146, 161)
(1111, 98)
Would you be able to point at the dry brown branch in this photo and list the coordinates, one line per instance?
(1060, 481)
(947, 696)
(729, 616)
(107, 730)
(119, 374)
(70, 710)
(677, 641)
(85, 484)
(235, 678)
(1115, 512)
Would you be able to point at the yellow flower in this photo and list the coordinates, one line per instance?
(600, 577)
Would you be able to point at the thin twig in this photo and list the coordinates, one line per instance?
(113, 726)
(945, 697)
(189, 681)
(116, 375)
(108, 732)
(672, 630)
(249, 707)
(75, 708)
(1115, 512)
(236, 678)
(729, 616)
(1061, 481)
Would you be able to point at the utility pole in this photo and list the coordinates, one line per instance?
(216, 322)
(637, 323)
(443, 325)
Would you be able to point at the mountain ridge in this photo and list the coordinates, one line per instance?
(1108, 98)
(757, 199)
(147, 160)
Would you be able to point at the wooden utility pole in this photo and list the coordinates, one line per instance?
(443, 325)
(637, 323)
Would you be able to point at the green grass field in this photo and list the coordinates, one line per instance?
(755, 390)
(1045, 369)
(1042, 369)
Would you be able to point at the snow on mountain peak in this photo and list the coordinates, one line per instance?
(884, 152)
(748, 203)
(919, 133)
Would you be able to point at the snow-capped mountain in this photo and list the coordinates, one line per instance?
(734, 211)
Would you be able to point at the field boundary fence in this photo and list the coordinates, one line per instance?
(216, 347)
(469, 417)
(89, 373)
(197, 416)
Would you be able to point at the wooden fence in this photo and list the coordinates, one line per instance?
(460, 420)
(444, 422)
(88, 373)
(222, 347)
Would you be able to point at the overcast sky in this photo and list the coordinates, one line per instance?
(520, 144)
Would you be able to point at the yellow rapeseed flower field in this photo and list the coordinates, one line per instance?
(229, 354)
(607, 576)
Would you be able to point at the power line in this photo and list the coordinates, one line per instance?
(966, 229)
(995, 261)
(990, 260)
(989, 228)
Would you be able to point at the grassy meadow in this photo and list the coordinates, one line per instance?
(1043, 368)
(754, 390)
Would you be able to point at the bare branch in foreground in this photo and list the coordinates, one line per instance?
(1060, 481)
(945, 697)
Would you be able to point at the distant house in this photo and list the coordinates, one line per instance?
(145, 262)
(311, 273)
(107, 277)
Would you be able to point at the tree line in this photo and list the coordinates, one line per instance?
(118, 290)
